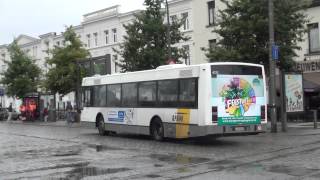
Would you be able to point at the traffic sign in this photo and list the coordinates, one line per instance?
(1, 92)
(275, 52)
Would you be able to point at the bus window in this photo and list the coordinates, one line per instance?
(168, 93)
(99, 99)
(129, 95)
(114, 95)
(147, 93)
(86, 97)
(187, 94)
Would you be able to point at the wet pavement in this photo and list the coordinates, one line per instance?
(53, 151)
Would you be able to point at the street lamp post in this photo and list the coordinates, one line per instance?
(168, 32)
(272, 67)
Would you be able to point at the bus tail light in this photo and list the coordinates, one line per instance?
(214, 114)
(263, 113)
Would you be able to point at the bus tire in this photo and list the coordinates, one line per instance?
(156, 129)
(101, 126)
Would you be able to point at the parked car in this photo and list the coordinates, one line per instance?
(4, 113)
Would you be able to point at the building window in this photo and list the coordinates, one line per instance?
(95, 39)
(186, 23)
(211, 6)
(35, 51)
(115, 60)
(58, 43)
(114, 32)
(3, 55)
(88, 40)
(314, 44)
(173, 18)
(212, 43)
(186, 54)
(106, 32)
(3, 68)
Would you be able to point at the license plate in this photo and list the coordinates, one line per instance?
(239, 129)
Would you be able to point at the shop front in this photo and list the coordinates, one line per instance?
(311, 82)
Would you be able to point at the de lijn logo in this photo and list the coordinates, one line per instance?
(238, 97)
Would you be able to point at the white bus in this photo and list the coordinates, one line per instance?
(178, 101)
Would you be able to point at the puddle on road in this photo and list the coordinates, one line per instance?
(293, 171)
(158, 165)
(70, 152)
(153, 176)
(99, 147)
(86, 171)
(178, 158)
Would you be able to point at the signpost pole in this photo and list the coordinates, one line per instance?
(272, 87)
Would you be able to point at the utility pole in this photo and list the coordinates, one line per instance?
(168, 32)
(272, 68)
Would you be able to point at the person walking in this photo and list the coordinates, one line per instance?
(69, 114)
(9, 112)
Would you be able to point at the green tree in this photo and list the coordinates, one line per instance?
(145, 45)
(243, 28)
(22, 75)
(63, 74)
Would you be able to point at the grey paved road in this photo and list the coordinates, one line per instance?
(50, 152)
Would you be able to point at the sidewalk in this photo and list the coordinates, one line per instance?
(59, 123)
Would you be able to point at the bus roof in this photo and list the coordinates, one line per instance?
(161, 73)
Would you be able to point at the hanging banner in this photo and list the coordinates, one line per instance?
(294, 93)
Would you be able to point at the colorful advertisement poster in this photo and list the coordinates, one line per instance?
(239, 98)
(294, 92)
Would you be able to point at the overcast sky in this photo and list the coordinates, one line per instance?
(36, 17)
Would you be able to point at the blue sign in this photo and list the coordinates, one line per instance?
(121, 114)
(275, 52)
(1, 92)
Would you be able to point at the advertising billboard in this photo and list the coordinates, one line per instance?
(294, 92)
(239, 98)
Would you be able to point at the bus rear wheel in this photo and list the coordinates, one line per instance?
(157, 131)
(101, 126)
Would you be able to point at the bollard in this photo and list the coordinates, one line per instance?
(315, 119)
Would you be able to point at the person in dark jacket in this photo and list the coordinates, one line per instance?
(10, 112)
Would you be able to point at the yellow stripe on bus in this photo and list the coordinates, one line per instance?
(182, 127)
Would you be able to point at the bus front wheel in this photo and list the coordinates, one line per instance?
(157, 131)
(101, 126)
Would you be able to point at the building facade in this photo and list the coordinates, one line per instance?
(102, 30)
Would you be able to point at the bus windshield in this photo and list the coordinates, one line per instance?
(238, 93)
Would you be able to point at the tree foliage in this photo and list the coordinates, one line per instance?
(22, 75)
(243, 28)
(63, 74)
(145, 45)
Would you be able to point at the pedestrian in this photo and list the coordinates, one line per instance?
(45, 114)
(23, 111)
(9, 112)
(69, 114)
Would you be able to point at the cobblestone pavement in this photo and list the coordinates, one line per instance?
(33, 151)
